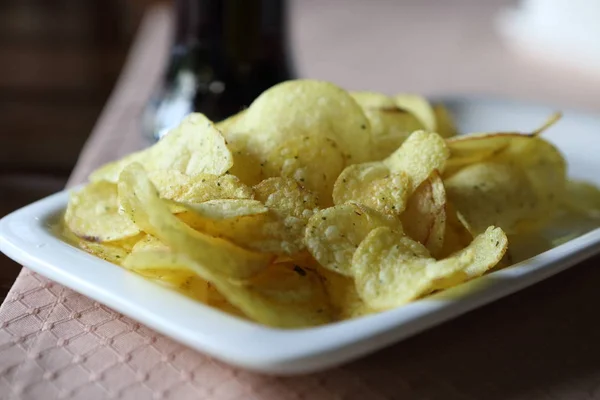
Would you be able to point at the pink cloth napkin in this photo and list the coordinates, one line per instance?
(55, 343)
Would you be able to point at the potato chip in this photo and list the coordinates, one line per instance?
(224, 208)
(149, 243)
(424, 219)
(287, 198)
(583, 198)
(140, 201)
(228, 124)
(390, 125)
(302, 108)
(444, 121)
(344, 299)
(457, 236)
(248, 162)
(418, 156)
(314, 161)
(391, 269)
(479, 147)
(283, 295)
(419, 107)
(164, 266)
(333, 234)
(493, 194)
(545, 168)
(279, 231)
(193, 147)
(174, 185)
(113, 252)
(93, 214)
(373, 185)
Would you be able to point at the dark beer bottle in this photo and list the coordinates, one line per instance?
(225, 53)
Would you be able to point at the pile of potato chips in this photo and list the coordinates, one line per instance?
(316, 205)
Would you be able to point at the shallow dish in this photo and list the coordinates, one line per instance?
(27, 236)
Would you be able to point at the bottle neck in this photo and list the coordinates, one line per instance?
(233, 35)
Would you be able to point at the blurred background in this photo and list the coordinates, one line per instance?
(60, 59)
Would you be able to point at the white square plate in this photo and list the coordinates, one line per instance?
(26, 236)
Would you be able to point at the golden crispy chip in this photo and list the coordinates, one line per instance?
(248, 162)
(493, 194)
(419, 107)
(545, 169)
(391, 269)
(457, 236)
(582, 197)
(93, 214)
(314, 161)
(424, 219)
(479, 147)
(164, 266)
(114, 252)
(390, 125)
(149, 243)
(307, 108)
(444, 121)
(418, 156)
(475, 148)
(333, 234)
(287, 198)
(174, 185)
(140, 201)
(224, 208)
(228, 125)
(279, 231)
(373, 185)
(194, 147)
(283, 295)
(341, 290)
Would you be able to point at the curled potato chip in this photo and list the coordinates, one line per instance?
(582, 197)
(193, 147)
(344, 299)
(424, 219)
(333, 234)
(444, 122)
(457, 236)
(391, 269)
(248, 162)
(279, 231)
(302, 108)
(419, 107)
(390, 125)
(114, 252)
(140, 201)
(373, 185)
(93, 214)
(224, 208)
(287, 198)
(199, 188)
(302, 158)
(164, 266)
(418, 156)
(480, 147)
(545, 169)
(492, 194)
(149, 243)
(283, 295)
